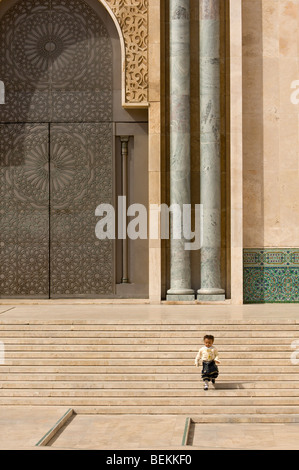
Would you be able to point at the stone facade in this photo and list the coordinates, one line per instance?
(270, 145)
(254, 154)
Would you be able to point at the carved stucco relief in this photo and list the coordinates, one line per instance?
(132, 16)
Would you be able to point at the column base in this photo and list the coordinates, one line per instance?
(180, 297)
(211, 297)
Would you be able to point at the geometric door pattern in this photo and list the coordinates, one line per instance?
(80, 179)
(56, 150)
(24, 211)
(52, 177)
(56, 63)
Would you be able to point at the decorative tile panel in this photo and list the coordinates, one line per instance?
(271, 275)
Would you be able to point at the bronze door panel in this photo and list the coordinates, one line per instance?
(24, 210)
(81, 175)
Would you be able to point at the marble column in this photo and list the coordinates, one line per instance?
(210, 166)
(180, 265)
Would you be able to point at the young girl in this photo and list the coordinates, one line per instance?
(208, 354)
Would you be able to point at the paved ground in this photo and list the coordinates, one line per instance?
(96, 311)
(121, 432)
(246, 437)
(23, 427)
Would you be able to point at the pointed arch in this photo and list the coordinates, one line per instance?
(131, 21)
(123, 49)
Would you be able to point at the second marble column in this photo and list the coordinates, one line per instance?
(210, 167)
(180, 265)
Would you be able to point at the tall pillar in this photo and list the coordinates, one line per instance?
(210, 166)
(180, 266)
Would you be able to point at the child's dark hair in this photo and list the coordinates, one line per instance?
(211, 337)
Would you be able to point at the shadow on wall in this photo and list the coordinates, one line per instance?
(253, 124)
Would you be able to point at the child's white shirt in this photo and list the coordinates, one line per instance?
(207, 355)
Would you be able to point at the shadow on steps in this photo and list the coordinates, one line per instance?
(229, 385)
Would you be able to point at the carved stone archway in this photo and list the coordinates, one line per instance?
(131, 20)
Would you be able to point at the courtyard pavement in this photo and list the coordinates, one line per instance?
(93, 310)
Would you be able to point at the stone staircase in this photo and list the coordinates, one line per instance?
(148, 368)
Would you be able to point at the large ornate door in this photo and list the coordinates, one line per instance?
(52, 177)
(56, 150)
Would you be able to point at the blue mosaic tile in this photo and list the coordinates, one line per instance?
(271, 275)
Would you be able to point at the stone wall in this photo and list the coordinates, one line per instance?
(270, 146)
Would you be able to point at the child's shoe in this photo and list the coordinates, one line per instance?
(213, 381)
(206, 386)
